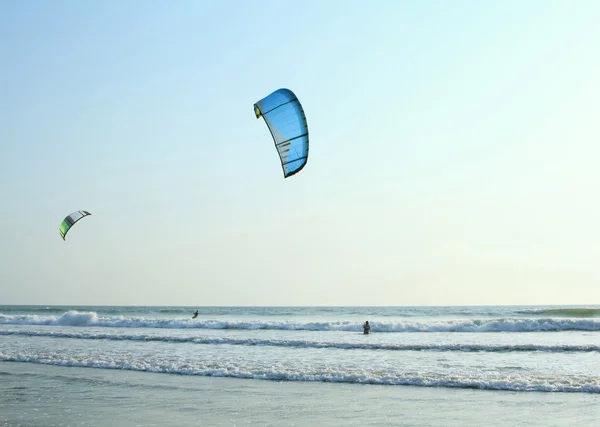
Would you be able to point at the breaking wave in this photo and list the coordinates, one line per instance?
(581, 384)
(75, 318)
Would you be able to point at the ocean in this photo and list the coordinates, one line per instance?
(425, 366)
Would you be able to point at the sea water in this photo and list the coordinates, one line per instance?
(299, 366)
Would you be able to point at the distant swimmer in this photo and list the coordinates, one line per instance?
(195, 314)
(366, 328)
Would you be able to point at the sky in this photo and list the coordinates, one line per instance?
(453, 153)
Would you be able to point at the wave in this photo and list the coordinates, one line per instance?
(42, 309)
(324, 312)
(75, 318)
(495, 348)
(563, 312)
(582, 384)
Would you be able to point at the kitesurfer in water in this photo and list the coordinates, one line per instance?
(366, 328)
(195, 314)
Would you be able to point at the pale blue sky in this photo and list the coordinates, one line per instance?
(454, 152)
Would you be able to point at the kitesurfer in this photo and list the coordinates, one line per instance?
(366, 328)
(195, 314)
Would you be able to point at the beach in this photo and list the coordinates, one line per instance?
(155, 366)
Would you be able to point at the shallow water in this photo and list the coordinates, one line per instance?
(299, 366)
(39, 395)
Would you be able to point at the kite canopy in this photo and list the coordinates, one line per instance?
(70, 221)
(285, 118)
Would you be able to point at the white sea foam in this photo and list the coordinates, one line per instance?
(192, 339)
(529, 352)
(581, 384)
(75, 318)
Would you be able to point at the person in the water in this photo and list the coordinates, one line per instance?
(366, 328)
(195, 314)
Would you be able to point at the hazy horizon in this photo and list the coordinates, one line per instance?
(304, 306)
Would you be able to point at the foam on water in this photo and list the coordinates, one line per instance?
(75, 318)
(310, 344)
(519, 382)
(535, 350)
